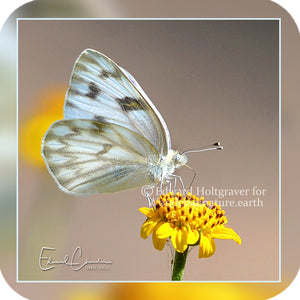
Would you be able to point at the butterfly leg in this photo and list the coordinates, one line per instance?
(194, 175)
(150, 201)
(169, 186)
(175, 177)
(148, 191)
(175, 184)
(161, 184)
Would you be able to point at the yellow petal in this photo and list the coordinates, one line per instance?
(148, 212)
(207, 246)
(158, 244)
(193, 236)
(226, 233)
(179, 239)
(148, 227)
(164, 230)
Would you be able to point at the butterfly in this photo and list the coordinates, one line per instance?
(112, 137)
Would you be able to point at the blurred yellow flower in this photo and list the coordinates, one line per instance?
(31, 132)
(84, 294)
(187, 221)
(174, 291)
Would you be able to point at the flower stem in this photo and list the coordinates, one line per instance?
(179, 264)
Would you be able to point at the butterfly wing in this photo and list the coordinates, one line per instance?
(88, 157)
(102, 91)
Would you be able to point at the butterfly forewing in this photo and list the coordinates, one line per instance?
(102, 91)
(87, 157)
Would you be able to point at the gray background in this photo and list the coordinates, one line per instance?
(211, 81)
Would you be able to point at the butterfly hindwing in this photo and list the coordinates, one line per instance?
(87, 157)
(102, 91)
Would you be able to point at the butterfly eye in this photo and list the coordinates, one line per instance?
(180, 158)
(177, 158)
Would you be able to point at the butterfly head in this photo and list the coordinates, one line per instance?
(179, 159)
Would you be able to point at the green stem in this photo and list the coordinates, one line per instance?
(179, 264)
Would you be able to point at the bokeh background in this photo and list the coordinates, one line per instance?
(212, 81)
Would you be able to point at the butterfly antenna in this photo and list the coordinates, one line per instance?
(215, 146)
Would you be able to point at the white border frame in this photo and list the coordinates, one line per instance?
(17, 159)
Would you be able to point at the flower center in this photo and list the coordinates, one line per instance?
(189, 211)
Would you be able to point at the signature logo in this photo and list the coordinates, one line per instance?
(75, 262)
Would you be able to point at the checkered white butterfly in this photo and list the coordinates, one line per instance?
(112, 137)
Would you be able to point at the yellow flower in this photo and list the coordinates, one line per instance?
(31, 131)
(187, 220)
(196, 290)
(84, 293)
